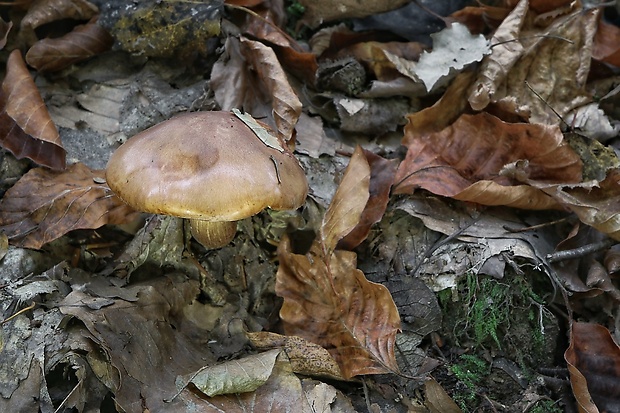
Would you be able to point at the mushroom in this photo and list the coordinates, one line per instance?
(209, 167)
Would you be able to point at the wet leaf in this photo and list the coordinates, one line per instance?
(594, 364)
(44, 205)
(467, 160)
(26, 128)
(347, 204)
(382, 173)
(83, 42)
(236, 376)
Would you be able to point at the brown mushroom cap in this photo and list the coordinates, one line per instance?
(207, 166)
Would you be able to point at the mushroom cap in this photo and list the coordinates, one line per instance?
(205, 165)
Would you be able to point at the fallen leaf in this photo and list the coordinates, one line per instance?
(235, 376)
(606, 46)
(382, 173)
(347, 204)
(5, 29)
(327, 300)
(83, 42)
(249, 76)
(594, 364)
(534, 69)
(44, 205)
(306, 358)
(322, 11)
(453, 49)
(465, 160)
(26, 128)
(41, 12)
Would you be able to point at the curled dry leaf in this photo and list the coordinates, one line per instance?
(327, 300)
(348, 202)
(594, 364)
(477, 148)
(5, 29)
(286, 106)
(41, 12)
(382, 173)
(88, 40)
(44, 205)
(321, 11)
(26, 128)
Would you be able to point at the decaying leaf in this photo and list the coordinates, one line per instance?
(26, 128)
(465, 160)
(327, 300)
(453, 49)
(84, 41)
(532, 69)
(236, 376)
(44, 205)
(594, 364)
(306, 358)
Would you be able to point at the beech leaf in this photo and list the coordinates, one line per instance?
(594, 364)
(348, 202)
(327, 300)
(84, 41)
(44, 205)
(26, 128)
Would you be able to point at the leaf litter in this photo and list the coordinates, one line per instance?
(418, 278)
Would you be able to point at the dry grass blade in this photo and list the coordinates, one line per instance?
(49, 55)
(26, 128)
(45, 205)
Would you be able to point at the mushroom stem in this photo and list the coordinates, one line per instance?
(213, 234)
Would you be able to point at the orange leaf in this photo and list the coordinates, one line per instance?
(84, 41)
(594, 364)
(327, 300)
(26, 128)
(477, 148)
(348, 202)
(44, 205)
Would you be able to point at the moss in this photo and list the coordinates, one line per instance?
(471, 372)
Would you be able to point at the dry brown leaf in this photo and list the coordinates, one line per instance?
(506, 50)
(286, 106)
(477, 148)
(41, 12)
(5, 29)
(597, 206)
(327, 300)
(347, 204)
(26, 128)
(606, 46)
(249, 76)
(83, 42)
(321, 11)
(382, 173)
(594, 364)
(44, 205)
(533, 69)
(306, 358)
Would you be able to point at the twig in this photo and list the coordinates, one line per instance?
(23, 310)
(580, 251)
